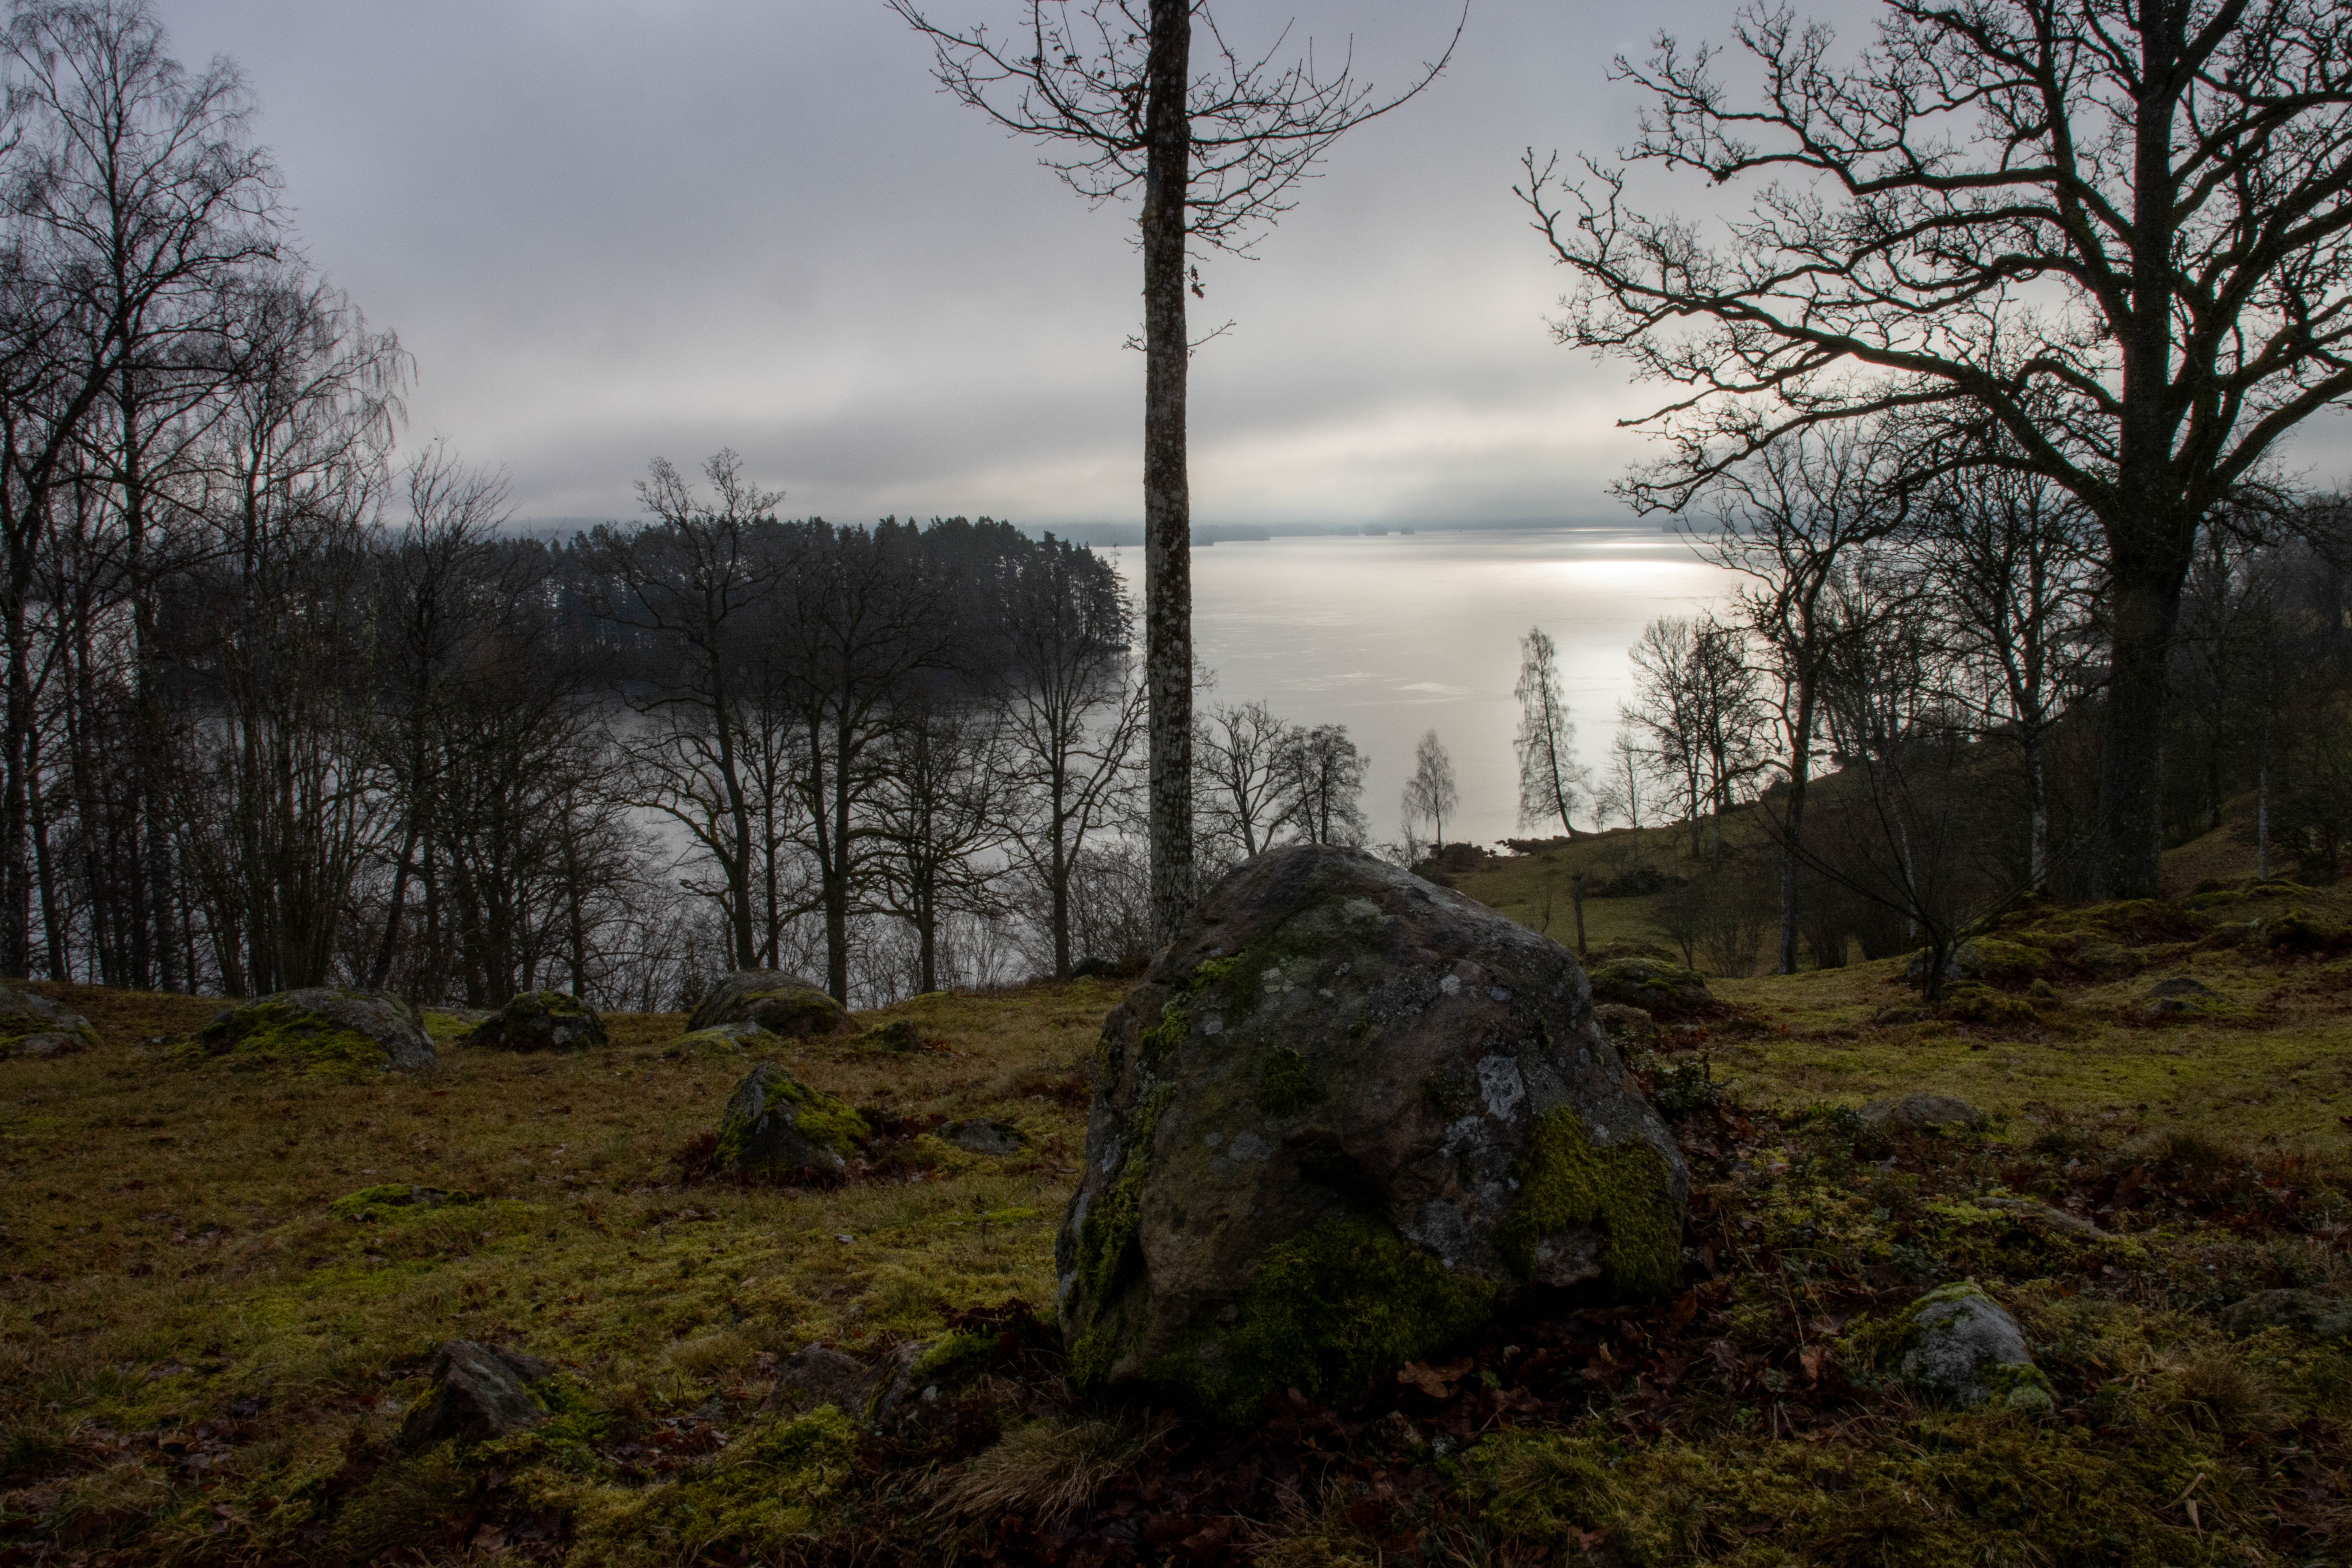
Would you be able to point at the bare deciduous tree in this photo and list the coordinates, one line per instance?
(1552, 781)
(1430, 792)
(1110, 86)
(2116, 236)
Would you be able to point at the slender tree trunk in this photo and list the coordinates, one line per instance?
(2037, 808)
(1800, 778)
(1576, 890)
(837, 869)
(1059, 869)
(1166, 486)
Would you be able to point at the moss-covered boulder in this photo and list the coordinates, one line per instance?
(781, 1004)
(1660, 988)
(1345, 1115)
(775, 1125)
(32, 1025)
(1961, 1345)
(356, 1030)
(541, 1021)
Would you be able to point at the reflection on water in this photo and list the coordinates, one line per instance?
(1392, 635)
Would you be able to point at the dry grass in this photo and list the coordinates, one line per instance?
(1048, 1470)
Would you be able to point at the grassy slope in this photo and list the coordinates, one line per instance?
(199, 1361)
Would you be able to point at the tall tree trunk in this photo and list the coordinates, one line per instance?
(2131, 770)
(1167, 485)
(2037, 810)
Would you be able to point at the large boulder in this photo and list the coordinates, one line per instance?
(317, 1027)
(33, 1025)
(541, 1021)
(781, 1004)
(775, 1125)
(1345, 1115)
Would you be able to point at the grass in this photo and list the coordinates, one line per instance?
(203, 1360)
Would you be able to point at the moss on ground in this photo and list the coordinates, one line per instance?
(176, 1287)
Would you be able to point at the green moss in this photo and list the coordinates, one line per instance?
(1969, 1003)
(1285, 1086)
(377, 1202)
(262, 1034)
(2009, 964)
(760, 1498)
(1326, 1311)
(1160, 1041)
(1109, 1245)
(1569, 1183)
(824, 1120)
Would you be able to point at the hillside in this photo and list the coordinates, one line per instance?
(204, 1356)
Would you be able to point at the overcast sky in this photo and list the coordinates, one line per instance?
(609, 229)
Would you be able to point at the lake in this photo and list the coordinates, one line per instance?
(1392, 635)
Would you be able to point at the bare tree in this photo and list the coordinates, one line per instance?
(1110, 86)
(1620, 794)
(1799, 521)
(2116, 236)
(2015, 585)
(1239, 751)
(696, 581)
(1072, 718)
(1430, 792)
(1552, 781)
(936, 812)
(1323, 785)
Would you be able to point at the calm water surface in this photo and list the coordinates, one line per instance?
(1392, 635)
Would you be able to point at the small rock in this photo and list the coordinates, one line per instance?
(323, 1028)
(1913, 1113)
(479, 1392)
(2043, 1214)
(822, 1376)
(775, 1124)
(2313, 1312)
(541, 1021)
(373, 1203)
(1626, 1026)
(2180, 998)
(1962, 1346)
(781, 1004)
(984, 1137)
(1662, 989)
(898, 1035)
(741, 1041)
(33, 1025)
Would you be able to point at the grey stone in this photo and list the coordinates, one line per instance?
(775, 1125)
(1911, 1112)
(323, 1029)
(822, 1376)
(541, 1021)
(782, 1003)
(479, 1391)
(2180, 998)
(1963, 1347)
(2043, 1214)
(984, 1137)
(33, 1025)
(1346, 1083)
(2313, 1312)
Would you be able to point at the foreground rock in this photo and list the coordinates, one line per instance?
(1963, 1347)
(33, 1025)
(541, 1021)
(775, 1125)
(1344, 1115)
(479, 1392)
(781, 1004)
(351, 1030)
